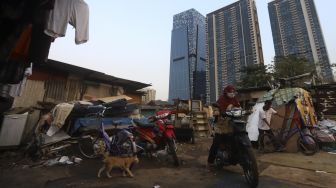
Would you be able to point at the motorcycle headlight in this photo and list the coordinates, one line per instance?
(237, 113)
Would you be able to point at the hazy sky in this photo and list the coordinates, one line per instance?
(131, 38)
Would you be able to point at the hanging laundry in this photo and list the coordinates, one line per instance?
(12, 70)
(20, 52)
(39, 45)
(75, 12)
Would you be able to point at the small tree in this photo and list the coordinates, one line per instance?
(254, 76)
(286, 67)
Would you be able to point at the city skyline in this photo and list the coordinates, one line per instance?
(132, 40)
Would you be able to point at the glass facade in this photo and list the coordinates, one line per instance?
(296, 31)
(233, 42)
(187, 58)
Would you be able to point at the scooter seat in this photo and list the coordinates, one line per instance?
(142, 123)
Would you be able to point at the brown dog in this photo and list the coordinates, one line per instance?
(114, 161)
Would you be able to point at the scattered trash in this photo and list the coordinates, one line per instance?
(51, 162)
(64, 160)
(324, 136)
(320, 171)
(77, 160)
(156, 186)
(160, 153)
(25, 166)
(327, 123)
(332, 152)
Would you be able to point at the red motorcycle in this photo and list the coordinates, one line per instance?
(157, 134)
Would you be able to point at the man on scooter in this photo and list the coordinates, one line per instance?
(225, 102)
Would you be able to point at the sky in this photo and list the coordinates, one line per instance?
(131, 39)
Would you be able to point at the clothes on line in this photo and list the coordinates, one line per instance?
(75, 12)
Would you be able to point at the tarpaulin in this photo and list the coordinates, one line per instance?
(95, 123)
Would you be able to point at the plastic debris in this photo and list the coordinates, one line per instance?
(320, 171)
(64, 160)
(77, 160)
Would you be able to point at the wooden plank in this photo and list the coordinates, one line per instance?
(201, 128)
(33, 91)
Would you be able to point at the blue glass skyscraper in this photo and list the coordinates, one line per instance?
(187, 78)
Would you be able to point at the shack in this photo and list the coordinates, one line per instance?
(324, 97)
(56, 82)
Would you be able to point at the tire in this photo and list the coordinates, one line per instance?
(250, 168)
(90, 145)
(268, 144)
(307, 144)
(172, 149)
(218, 162)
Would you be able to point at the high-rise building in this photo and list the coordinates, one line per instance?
(297, 31)
(233, 42)
(187, 58)
(150, 95)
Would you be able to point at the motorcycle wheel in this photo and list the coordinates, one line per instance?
(250, 168)
(307, 144)
(90, 145)
(172, 148)
(218, 163)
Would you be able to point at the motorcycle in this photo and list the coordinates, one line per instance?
(237, 148)
(157, 134)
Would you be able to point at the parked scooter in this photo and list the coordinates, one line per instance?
(237, 148)
(157, 134)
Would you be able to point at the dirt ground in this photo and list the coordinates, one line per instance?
(148, 173)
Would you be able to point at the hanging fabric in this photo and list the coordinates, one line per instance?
(12, 71)
(20, 51)
(75, 12)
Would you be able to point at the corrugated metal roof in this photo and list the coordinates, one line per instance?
(91, 75)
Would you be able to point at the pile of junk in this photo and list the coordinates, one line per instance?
(296, 107)
(66, 123)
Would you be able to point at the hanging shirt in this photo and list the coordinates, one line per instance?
(75, 12)
(265, 115)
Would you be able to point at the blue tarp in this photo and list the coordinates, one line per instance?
(94, 122)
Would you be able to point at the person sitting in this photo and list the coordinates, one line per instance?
(225, 102)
